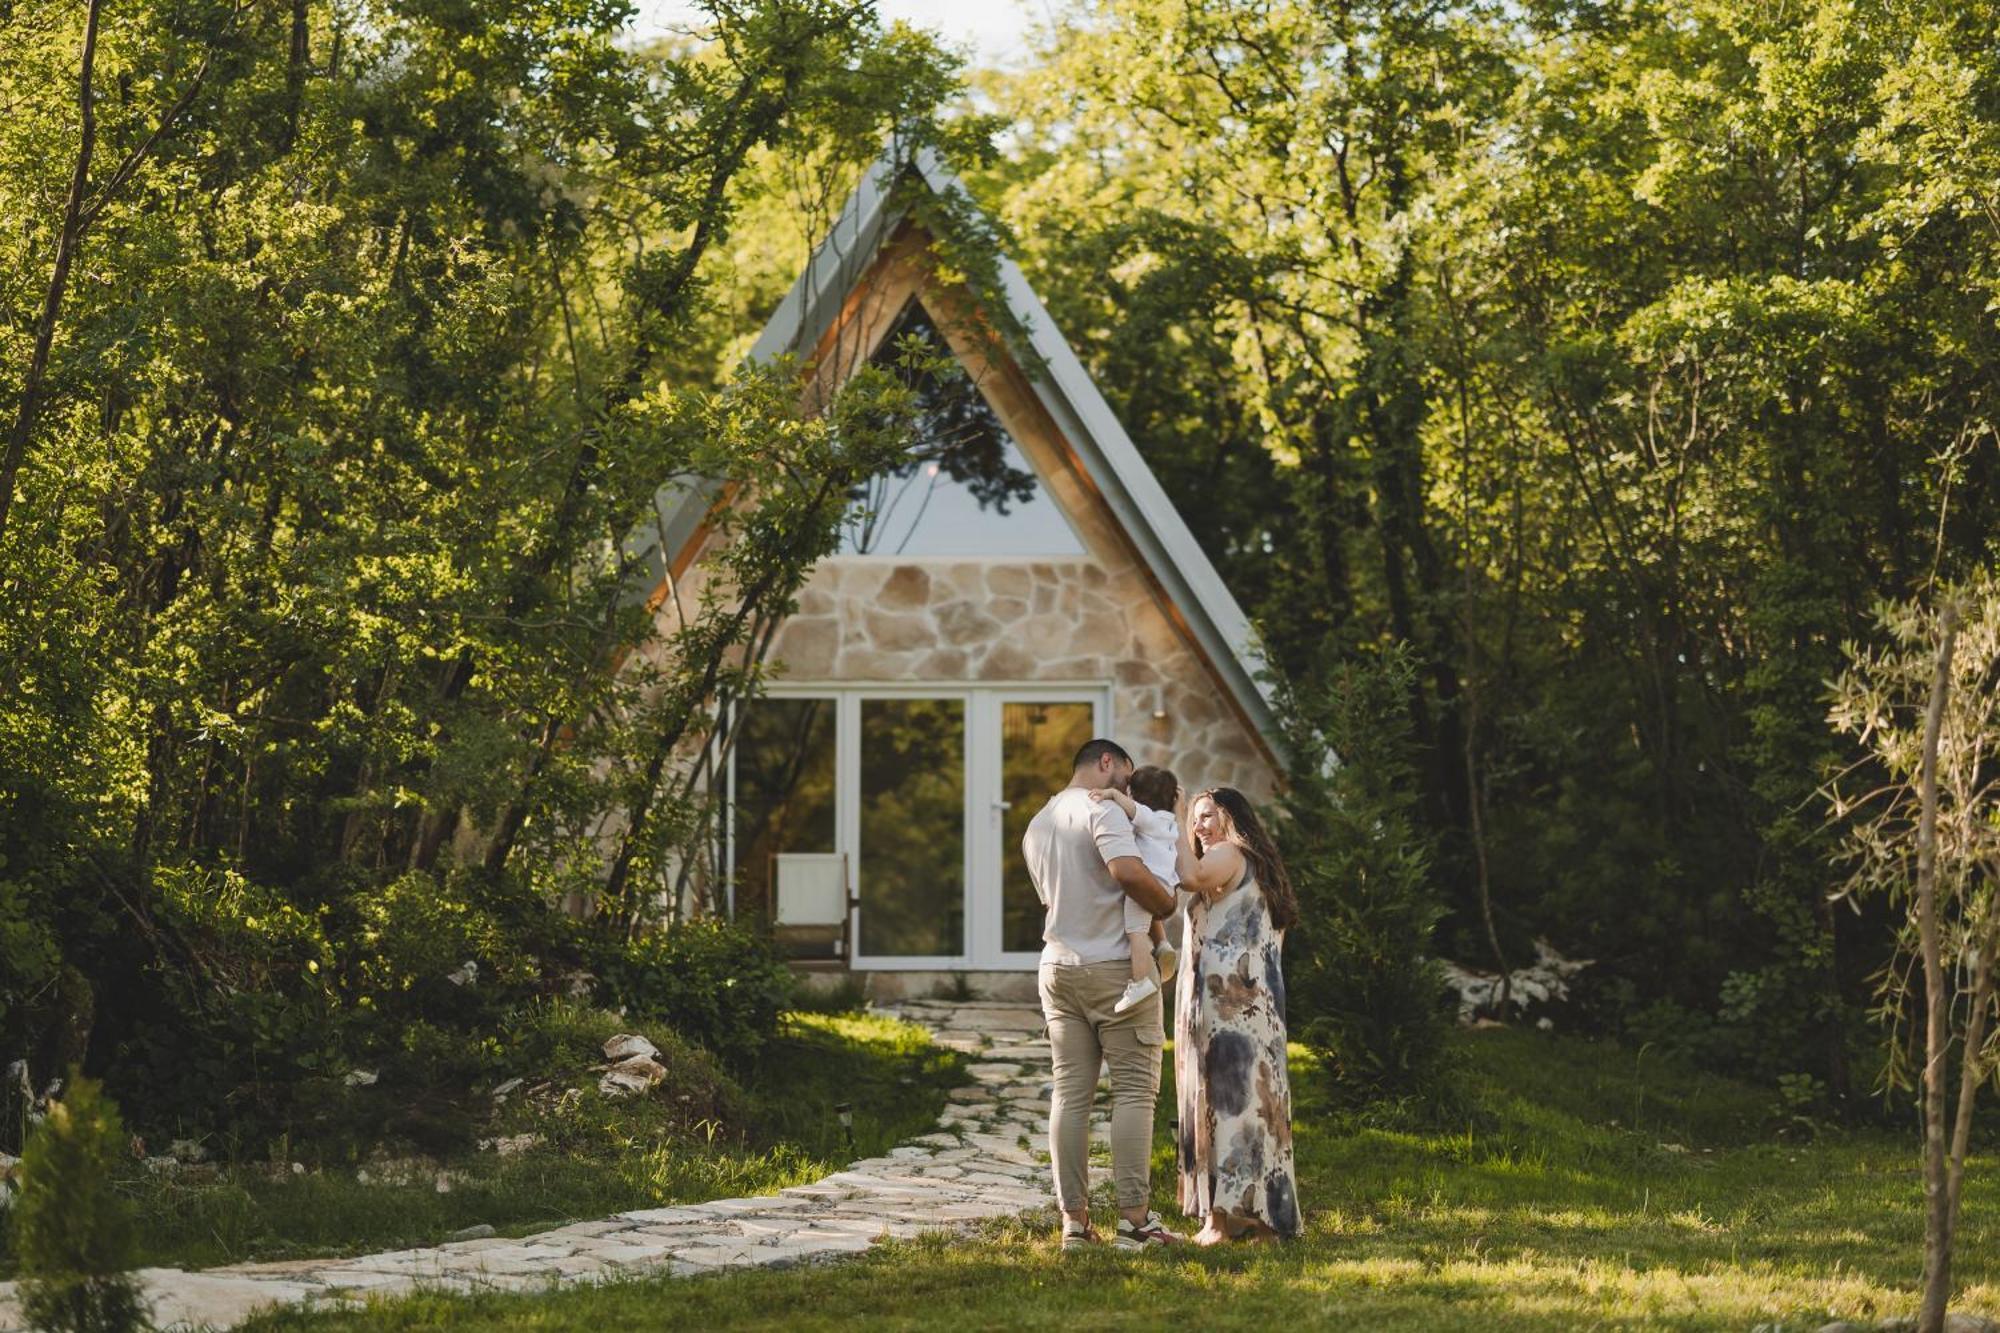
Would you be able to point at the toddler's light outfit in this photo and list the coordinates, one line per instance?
(1159, 839)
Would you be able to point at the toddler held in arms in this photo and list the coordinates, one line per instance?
(1150, 806)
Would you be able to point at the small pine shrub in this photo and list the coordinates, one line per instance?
(1365, 991)
(73, 1233)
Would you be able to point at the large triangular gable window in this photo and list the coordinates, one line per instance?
(965, 488)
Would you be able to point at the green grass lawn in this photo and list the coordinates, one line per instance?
(599, 1157)
(1593, 1188)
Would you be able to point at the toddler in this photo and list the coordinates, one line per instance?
(1149, 802)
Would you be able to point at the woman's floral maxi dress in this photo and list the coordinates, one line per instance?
(1229, 1064)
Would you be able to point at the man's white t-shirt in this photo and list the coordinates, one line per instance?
(1068, 845)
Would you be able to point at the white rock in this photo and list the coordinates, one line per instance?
(637, 1074)
(464, 974)
(1546, 979)
(510, 1085)
(361, 1078)
(628, 1044)
(509, 1144)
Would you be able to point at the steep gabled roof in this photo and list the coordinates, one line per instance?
(1066, 392)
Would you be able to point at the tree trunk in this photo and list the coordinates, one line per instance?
(297, 64)
(515, 816)
(66, 244)
(1937, 1031)
(1971, 1076)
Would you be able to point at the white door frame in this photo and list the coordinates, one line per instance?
(980, 946)
(985, 907)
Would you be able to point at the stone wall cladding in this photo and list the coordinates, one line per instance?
(872, 619)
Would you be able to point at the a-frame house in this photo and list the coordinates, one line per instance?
(943, 667)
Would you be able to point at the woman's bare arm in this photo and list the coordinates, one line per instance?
(1212, 874)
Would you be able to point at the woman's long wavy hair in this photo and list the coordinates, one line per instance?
(1242, 827)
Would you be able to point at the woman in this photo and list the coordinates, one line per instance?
(1229, 1025)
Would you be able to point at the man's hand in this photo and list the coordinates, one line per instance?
(1141, 885)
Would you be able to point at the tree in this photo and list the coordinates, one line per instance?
(380, 331)
(1365, 990)
(1617, 359)
(1921, 830)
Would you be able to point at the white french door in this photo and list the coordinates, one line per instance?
(1030, 737)
(934, 786)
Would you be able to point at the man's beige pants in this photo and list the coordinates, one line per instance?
(1077, 1002)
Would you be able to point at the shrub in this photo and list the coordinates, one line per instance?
(238, 1007)
(1365, 993)
(73, 1231)
(563, 1042)
(715, 983)
(413, 938)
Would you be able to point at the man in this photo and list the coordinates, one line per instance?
(1085, 862)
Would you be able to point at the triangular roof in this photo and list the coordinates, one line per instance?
(1065, 390)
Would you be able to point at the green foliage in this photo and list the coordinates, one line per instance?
(72, 1229)
(719, 984)
(1365, 993)
(1615, 359)
(238, 1008)
(329, 645)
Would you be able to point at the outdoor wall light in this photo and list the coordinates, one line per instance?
(1159, 715)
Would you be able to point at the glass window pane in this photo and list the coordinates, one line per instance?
(784, 790)
(965, 487)
(912, 856)
(1037, 742)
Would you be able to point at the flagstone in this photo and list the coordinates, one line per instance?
(676, 1214)
(590, 1228)
(630, 1254)
(343, 1280)
(769, 1226)
(200, 1300)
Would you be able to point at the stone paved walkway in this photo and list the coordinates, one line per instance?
(984, 1160)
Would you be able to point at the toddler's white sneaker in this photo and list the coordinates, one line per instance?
(1135, 994)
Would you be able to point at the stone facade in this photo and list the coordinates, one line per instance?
(878, 620)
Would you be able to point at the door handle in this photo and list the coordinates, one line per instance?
(1003, 805)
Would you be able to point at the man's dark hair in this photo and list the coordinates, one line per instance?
(1094, 750)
